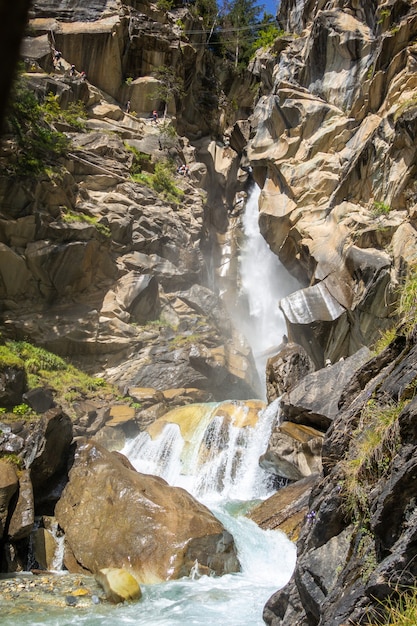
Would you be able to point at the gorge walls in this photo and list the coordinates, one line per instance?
(333, 150)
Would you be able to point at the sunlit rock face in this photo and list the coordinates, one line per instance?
(75, 10)
(287, 508)
(115, 517)
(333, 148)
(124, 278)
(120, 44)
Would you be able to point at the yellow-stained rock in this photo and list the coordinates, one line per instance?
(197, 416)
(118, 584)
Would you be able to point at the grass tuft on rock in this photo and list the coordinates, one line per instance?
(400, 609)
(407, 303)
(373, 445)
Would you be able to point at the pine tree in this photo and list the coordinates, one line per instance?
(208, 10)
(240, 22)
(170, 86)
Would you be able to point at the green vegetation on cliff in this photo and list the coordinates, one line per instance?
(37, 144)
(407, 305)
(45, 369)
(158, 176)
(373, 445)
(405, 312)
(400, 609)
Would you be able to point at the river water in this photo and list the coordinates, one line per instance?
(227, 480)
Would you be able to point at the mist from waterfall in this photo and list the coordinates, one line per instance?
(217, 461)
(263, 282)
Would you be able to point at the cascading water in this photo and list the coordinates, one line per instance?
(264, 281)
(219, 462)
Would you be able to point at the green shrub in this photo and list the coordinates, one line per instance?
(380, 208)
(38, 144)
(140, 160)
(75, 115)
(162, 181)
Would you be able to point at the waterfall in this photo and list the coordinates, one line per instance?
(58, 557)
(219, 461)
(213, 450)
(264, 281)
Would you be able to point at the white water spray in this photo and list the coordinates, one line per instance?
(264, 281)
(219, 463)
(59, 538)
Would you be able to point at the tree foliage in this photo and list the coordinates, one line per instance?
(208, 10)
(266, 35)
(170, 86)
(37, 142)
(240, 23)
(32, 124)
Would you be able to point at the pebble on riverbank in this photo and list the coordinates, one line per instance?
(47, 589)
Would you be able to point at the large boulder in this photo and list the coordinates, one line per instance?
(23, 513)
(46, 452)
(114, 516)
(286, 369)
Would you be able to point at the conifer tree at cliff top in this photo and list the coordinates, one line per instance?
(239, 25)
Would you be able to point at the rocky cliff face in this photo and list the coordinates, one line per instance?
(121, 267)
(119, 277)
(333, 148)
